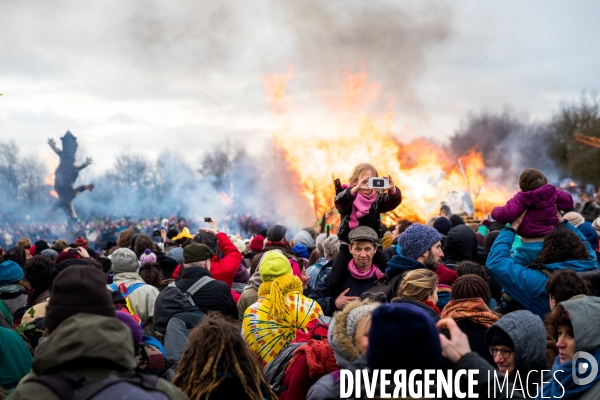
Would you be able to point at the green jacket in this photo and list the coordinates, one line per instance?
(101, 344)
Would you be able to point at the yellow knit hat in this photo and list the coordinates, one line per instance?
(273, 264)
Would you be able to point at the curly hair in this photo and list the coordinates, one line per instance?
(418, 284)
(143, 242)
(209, 239)
(16, 254)
(557, 318)
(37, 272)
(216, 349)
(565, 284)
(562, 244)
(471, 268)
(152, 274)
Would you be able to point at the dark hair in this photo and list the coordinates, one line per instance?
(152, 274)
(561, 245)
(93, 263)
(557, 318)
(16, 254)
(106, 264)
(216, 349)
(37, 272)
(314, 256)
(531, 179)
(124, 239)
(565, 284)
(467, 267)
(143, 242)
(403, 225)
(209, 239)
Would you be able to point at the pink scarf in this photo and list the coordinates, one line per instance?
(361, 207)
(356, 274)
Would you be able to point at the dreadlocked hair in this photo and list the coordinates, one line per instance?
(216, 349)
(562, 244)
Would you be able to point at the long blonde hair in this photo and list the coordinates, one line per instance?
(418, 284)
(359, 170)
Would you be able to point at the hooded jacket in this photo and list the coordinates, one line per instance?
(526, 285)
(541, 215)
(400, 264)
(249, 296)
(384, 203)
(461, 244)
(528, 334)
(583, 313)
(87, 345)
(142, 299)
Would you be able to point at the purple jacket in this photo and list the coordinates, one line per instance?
(541, 218)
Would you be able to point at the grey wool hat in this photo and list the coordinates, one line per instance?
(124, 260)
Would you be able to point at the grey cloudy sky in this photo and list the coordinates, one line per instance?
(153, 75)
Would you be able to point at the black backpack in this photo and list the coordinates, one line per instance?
(114, 387)
(384, 290)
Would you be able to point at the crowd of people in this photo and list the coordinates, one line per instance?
(165, 312)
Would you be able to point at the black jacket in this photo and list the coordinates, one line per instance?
(476, 334)
(327, 303)
(385, 203)
(214, 296)
(461, 244)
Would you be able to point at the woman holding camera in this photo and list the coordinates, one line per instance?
(360, 205)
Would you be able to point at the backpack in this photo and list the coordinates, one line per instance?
(113, 387)
(383, 290)
(200, 283)
(125, 292)
(6, 313)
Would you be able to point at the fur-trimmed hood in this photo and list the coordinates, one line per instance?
(344, 350)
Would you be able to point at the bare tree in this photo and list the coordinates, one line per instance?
(218, 162)
(9, 168)
(131, 172)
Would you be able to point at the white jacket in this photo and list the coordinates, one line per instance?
(142, 299)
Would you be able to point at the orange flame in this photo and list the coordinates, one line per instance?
(424, 172)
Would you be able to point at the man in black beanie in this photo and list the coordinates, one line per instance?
(86, 341)
(275, 241)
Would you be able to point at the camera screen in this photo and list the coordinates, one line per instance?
(378, 183)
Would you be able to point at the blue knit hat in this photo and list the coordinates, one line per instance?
(403, 336)
(10, 272)
(417, 239)
(300, 250)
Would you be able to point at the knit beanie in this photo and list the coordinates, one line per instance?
(196, 252)
(403, 336)
(276, 233)
(442, 225)
(147, 257)
(501, 338)
(238, 243)
(417, 239)
(590, 234)
(354, 317)
(172, 233)
(456, 220)
(304, 238)
(78, 289)
(272, 265)
(470, 287)
(257, 244)
(574, 218)
(133, 325)
(50, 253)
(300, 250)
(81, 242)
(66, 255)
(124, 260)
(10, 272)
(176, 253)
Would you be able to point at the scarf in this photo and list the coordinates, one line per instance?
(277, 290)
(280, 244)
(565, 377)
(356, 274)
(432, 305)
(472, 309)
(361, 207)
(12, 289)
(319, 358)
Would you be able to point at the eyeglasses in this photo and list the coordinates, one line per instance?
(504, 353)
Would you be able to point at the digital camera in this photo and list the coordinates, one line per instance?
(379, 183)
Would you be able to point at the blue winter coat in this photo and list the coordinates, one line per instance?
(526, 285)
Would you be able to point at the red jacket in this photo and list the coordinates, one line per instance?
(224, 269)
